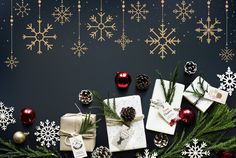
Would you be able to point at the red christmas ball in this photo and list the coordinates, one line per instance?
(227, 154)
(27, 115)
(186, 115)
(122, 80)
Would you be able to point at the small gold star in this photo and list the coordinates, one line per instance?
(11, 62)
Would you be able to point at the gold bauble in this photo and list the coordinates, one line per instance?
(19, 137)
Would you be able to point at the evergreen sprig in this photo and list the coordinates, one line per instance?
(109, 110)
(196, 92)
(169, 94)
(207, 128)
(10, 150)
(88, 124)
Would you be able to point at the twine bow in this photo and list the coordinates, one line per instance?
(114, 122)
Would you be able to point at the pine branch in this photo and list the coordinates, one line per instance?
(10, 150)
(169, 94)
(109, 110)
(196, 92)
(208, 128)
(88, 124)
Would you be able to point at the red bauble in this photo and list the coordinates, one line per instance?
(226, 154)
(122, 80)
(27, 115)
(186, 115)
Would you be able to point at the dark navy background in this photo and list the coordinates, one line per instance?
(50, 82)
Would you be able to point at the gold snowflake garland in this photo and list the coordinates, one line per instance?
(209, 29)
(183, 11)
(62, 14)
(12, 61)
(162, 40)
(226, 54)
(138, 11)
(101, 26)
(39, 35)
(123, 41)
(79, 47)
(22, 9)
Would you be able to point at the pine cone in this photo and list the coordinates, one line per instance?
(161, 140)
(190, 68)
(142, 82)
(101, 152)
(85, 97)
(128, 114)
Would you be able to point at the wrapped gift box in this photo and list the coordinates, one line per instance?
(155, 121)
(70, 126)
(202, 104)
(138, 138)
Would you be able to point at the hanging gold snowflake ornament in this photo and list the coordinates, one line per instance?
(11, 62)
(183, 11)
(226, 54)
(162, 41)
(138, 11)
(22, 9)
(79, 48)
(62, 14)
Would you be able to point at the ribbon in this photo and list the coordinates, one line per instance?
(114, 122)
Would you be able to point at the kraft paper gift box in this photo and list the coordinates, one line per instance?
(70, 126)
(138, 138)
(155, 122)
(202, 104)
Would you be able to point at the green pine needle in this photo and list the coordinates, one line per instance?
(209, 127)
(10, 150)
(88, 124)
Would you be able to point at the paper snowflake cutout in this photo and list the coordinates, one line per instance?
(39, 36)
(196, 150)
(183, 11)
(12, 62)
(228, 81)
(226, 54)
(6, 116)
(62, 14)
(79, 48)
(22, 9)
(209, 30)
(163, 41)
(47, 133)
(138, 11)
(147, 154)
(103, 26)
(123, 41)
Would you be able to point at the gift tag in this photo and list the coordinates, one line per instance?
(216, 95)
(168, 113)
(123, 137)
(77, 146)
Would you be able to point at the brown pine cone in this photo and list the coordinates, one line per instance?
(101, 152)
(85, 97)
(142, 82)
(128, 114)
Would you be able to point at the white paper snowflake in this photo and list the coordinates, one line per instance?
(228, 81)
(6, 116)
(147, 154)
(196, 150)
(47, 133)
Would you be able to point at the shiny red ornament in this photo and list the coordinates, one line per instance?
(186, 115)
(27, 115)
(122, 80)
(226, 154)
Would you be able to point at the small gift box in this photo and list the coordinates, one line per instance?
(202, 95)
(155, 121)
(123, 137)
(71, 126)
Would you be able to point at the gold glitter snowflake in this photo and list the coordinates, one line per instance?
(183, 11)
(103, 26)
(79, 48)
(22, 9)
(208, 30)
(138, 11)
(12, 62)
(226, 54)
(62, 14)
(162, 41)
(123, 41)
(39, 36)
